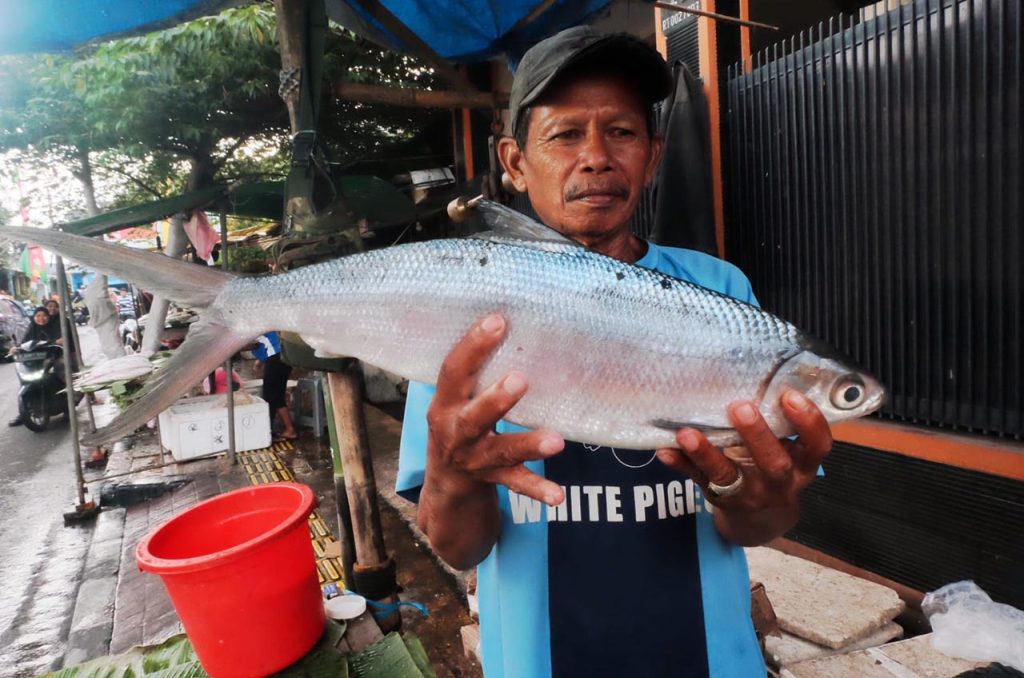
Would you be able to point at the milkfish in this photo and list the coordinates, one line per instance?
(614, 354)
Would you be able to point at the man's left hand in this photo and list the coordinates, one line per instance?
(774, 471)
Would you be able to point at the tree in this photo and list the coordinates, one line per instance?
(200, 97)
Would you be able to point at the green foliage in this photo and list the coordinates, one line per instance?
(175, 109)
(247, 259)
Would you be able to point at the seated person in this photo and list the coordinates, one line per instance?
(41, 329)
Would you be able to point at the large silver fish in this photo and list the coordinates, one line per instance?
(614, 354)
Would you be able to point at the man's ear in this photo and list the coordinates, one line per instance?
(511, 158)
(657, 148)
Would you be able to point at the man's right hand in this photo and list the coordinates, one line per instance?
(463, 452)
(466, 459)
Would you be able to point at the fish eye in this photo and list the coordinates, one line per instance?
(848, 392)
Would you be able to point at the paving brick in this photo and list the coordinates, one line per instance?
(915, 657)
(126, 633)
(110, 525)
(157, 630)
(790, 649)
(819, 604)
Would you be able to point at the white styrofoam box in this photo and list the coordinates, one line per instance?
(194, 427)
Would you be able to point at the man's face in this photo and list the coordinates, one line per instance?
(587, 159)
(51, 307)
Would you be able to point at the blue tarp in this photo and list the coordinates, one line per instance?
(459, 30)
(467, 30)
(61, 25)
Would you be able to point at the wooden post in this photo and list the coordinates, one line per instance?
(354, 448)
(360, 485)
(345, 386)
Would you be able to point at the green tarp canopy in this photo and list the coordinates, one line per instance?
(372, 198)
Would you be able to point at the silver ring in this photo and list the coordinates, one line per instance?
(727, 490)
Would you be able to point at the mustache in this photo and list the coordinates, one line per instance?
(577, 191)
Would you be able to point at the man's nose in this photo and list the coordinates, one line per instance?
(594, 155)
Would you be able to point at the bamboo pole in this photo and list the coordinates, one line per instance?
(418, 98)
(227, 363)
(62, 284)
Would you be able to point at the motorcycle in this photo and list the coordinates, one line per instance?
(79, 312)
(41, 374)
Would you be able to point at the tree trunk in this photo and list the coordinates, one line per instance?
(290, 35)
(102, 312)
(200, 174)
(84, 175)
(176, 243)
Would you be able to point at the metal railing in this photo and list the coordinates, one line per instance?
(875, 200)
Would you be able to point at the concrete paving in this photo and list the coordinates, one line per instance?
(119, 606)
(817, 603)
(914, 658)
(789, 649)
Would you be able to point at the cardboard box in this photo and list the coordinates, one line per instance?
(196, 427)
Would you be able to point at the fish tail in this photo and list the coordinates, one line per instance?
(211, 340)
(161, 275)
(208, 345)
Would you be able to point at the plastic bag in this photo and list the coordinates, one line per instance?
(966, 623)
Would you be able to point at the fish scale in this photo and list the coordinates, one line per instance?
(614, 354)
(607, 348)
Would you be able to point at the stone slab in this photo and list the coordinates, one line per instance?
(790, 649)
(471, 641)
(913, 658)
(817, 603)
(920, 655)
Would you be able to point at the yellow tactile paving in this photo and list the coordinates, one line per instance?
(265, 466)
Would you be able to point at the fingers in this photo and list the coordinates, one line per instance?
(521, 480)
(771, 457)
(457, 378)
(706, 459)
(680, 463)
(511, 449)
(479, 415)
(812, 427)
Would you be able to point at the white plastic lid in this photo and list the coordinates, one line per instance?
(348, 606)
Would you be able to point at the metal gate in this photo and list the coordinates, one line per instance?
(875, 200)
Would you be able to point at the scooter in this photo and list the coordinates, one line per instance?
(41, 375)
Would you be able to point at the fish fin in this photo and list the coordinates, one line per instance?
(208, 345)
(716, 435)
(156, 273)
(506, 224)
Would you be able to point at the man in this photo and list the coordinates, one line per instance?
(629, 574)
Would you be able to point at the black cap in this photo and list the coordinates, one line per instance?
(549, 58)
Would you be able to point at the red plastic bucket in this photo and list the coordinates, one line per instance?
(241, 573)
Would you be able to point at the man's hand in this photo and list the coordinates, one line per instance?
(466, 458)
(463, 446)
(774, 471)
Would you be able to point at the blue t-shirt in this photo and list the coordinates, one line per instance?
(267, 345)
(628, 577)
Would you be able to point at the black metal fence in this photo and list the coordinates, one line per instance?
(875, 200)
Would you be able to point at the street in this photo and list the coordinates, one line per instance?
(41, 560)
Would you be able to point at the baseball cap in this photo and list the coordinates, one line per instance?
(551, 57)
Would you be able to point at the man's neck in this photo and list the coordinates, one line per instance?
(624, 247)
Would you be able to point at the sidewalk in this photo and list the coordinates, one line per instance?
(118, 606)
